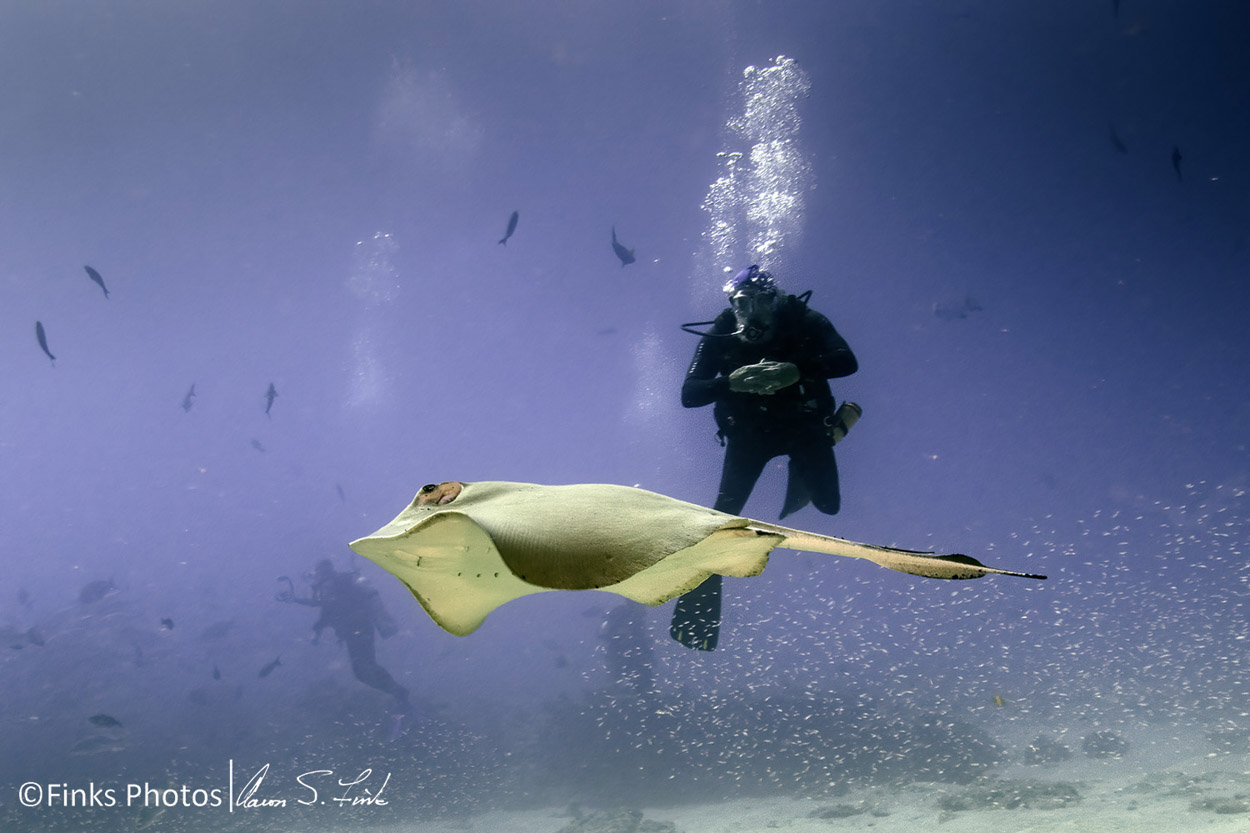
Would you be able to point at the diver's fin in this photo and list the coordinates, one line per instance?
(696, 619)
(797, 495)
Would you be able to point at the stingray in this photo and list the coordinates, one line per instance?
(464, 549)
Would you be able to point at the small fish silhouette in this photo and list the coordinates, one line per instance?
(42, 338)
(270, 396)
(1176, 161)
(167, 624)
(189, 399)
(626, 255)
(269, 667)
(216, 673)
(516, 215)
(95, 276)
(105, 720)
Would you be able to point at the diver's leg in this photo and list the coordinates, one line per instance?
(365, 667)
(696, 619)
(814, 463)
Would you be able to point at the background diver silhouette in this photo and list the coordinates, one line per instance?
(764, 366)
(354, 610)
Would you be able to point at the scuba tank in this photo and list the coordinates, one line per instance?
(844, 419)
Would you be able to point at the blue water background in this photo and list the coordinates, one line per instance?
(310, 195)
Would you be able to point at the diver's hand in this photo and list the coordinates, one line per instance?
(764, 378)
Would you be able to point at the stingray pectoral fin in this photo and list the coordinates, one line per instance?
(730, 551)
(452, 567)
(914, 563)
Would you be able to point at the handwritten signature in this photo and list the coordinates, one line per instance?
(351, 792)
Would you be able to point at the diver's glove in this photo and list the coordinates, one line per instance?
(764, 378)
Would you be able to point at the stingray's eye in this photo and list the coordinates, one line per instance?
(427, 488)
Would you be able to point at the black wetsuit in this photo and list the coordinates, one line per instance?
(796, 420)
(353, 610)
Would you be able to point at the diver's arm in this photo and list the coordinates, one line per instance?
(828, 356)
(704, 383)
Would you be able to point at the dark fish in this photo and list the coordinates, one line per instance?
(216, 673)
(256, 444)
(95, 276)
(93, 591)
(516, 215)
(270, 396)
(1176, 166)
(626, 255)
(1117, 142)
(105, 720)
(167, 624)
(188, 400)
(1115, 8)
(339, 489)
(43, 341)
(269, 667)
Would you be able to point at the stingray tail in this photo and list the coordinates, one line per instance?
(696, 619)
(912, 562)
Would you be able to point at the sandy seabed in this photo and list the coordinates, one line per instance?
(1209, 793)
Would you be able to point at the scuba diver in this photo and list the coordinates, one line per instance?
(764, 366)
(353, 609)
